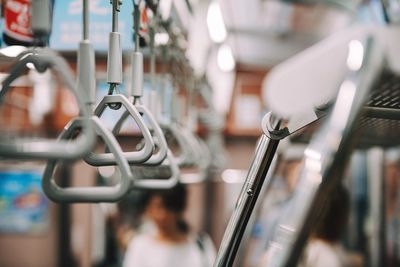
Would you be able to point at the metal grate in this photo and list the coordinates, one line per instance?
(379, 132)
(387, 93)
(382, 127)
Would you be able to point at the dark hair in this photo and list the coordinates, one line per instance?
(132, 206)
(174, 199)
(333, 220)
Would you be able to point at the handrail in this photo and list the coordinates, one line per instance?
(258, 174)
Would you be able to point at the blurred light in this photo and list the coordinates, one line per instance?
(225, 59)
(232, 176)
(165, 8)
(312, 154)
(30, 65)
(215, 23)
(161, 38)
(343, 105)
(12, 51)
(107, 171)
(356, 55)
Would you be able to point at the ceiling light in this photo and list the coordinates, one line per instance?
(161, 38)
(215, 23)
(165, 9)
(225, 59)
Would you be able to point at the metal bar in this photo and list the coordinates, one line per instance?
(377, 242)
(85, 19)
(136, 25)
(115, 10)
(383, 113)
(250, 191)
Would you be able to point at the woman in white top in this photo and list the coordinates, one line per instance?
(171, 244)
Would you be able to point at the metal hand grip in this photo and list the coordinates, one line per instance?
(161, 183)
(134, 156)
(159, 138)
(30, 148)
(89, 194)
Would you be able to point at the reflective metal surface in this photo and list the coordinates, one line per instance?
(256, 178)
(327, 154)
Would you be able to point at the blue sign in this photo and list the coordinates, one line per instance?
(23, 206)
(67, 24)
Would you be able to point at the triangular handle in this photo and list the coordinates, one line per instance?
(202, 160)
(31, 148)
(158, 136)
(141, 155)
(185, 158)
(170, 162)
(89, 194)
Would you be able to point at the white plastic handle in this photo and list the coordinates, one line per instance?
(133, 156)
(169, 162)
(31, 148)
(89, 194)
(158, 137)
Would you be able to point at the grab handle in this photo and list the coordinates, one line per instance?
(89, 194)
(161, 183)
(31, 148)
(158, 136)
(133, 156)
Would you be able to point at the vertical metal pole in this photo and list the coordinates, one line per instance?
(377, 214)
(248, 196)
(85, 19)
(65, 258)
(115, 8)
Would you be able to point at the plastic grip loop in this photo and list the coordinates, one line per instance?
(141, 155)
(33, 148)
(158, 136)
(89, 194)
(169, 162)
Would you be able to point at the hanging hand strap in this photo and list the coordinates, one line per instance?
(134, 156)
(151, 183)
(31, 148)
(158, 136)
(89, 194)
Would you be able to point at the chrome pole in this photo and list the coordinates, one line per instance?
(255, 180)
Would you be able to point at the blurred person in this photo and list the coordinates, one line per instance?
(171, 243)
(122, 225)
(324, 248)
(392, 203)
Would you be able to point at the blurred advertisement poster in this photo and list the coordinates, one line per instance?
(23, 206)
